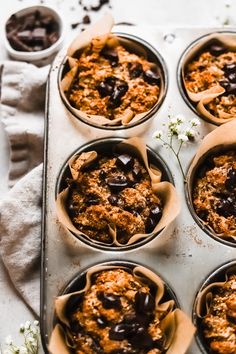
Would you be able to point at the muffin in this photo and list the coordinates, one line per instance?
(112, 81)
(215, 310)
(115, 193)
(220, 322)
(120, 310)
(214, 193)
(209, 77)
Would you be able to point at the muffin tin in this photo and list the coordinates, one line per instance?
(185, 255)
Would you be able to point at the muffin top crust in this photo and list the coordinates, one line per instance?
(219, 325)
(214, 66)
(111, 194)
(214, 193)
(117, 315)
(113, 82)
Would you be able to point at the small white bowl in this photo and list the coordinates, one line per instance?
(41, 54)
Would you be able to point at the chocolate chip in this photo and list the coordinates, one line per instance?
(232, 77)
(92, 199)
(156, 213)
(113, 199)
(225, 207)
(231, 89)
(106, 87)
(102, 175)
(203, 214)
(152, 77)
(229, 68)
(135, 70)
(144, 303)
(142, 339)
(118, 183)
(217, 49)
(109, 301)
(224, 83)
(125, 161)
(111, 55)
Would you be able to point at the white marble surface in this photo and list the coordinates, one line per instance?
(170, 13)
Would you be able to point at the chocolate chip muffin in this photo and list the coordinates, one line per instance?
(214, 193)
(219, 325)
(215, 65)
(113, 193)
(116, 315)
(112, 81)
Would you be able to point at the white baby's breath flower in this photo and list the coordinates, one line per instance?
(8, 340)
(31, 340)
(195, 122)
(36, 323)
(27, 325)
(23, 350)
(182, 137)
(22, 328)
(189, 132)
(173, 120)
(180, 118)
(158, 134)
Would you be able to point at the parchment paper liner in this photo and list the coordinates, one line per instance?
(204, 298)
(99, 34)
(221, 138)
(165, 190)
(205, 97)
(177, 327)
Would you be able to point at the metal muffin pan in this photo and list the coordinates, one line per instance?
(186, 255)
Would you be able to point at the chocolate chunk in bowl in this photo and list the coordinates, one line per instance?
(206, 77)
(116, 194)
(112, 80)
(211, 185)
(119, 307)
(214, 311)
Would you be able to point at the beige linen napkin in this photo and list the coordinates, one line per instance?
(22, 113)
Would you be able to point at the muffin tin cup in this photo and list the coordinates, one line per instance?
(197, 105)
(220, 140)
(219, 275)
(135, 45)
(106, 145)
(175, 323)
(45, 56)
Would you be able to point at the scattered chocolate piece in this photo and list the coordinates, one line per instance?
(150, 225)
(102, 322)
(228, 68)
(118, 332)
(230, 182)
(113, 199)
(155, 213)
(86, 20)
(232, 77)
(125, 161)
(152, 77)
(106, 87)
(144, 302)
(137, 173)
(100, 5)
(120, 90)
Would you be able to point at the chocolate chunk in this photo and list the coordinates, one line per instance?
(113, 199)
(230, 182)
(229, 68)
(137, 173)
(25, 36)
(119, 91)
(232, 77)
(111, 55)
(144, 303)
(75, 326)
(150, 225)
(142, 339)
(231, 89)
(155, 213)
(226, 207)
(203, 214)
(109, 301)
(217, 49)
(135, 70)
(125, 161)
(224, 83)
(99, 6)
(118, 332)
(102, 322)
(152, 77)
(102, 175)
(92, 199)
(118, 183)
(106, 87)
